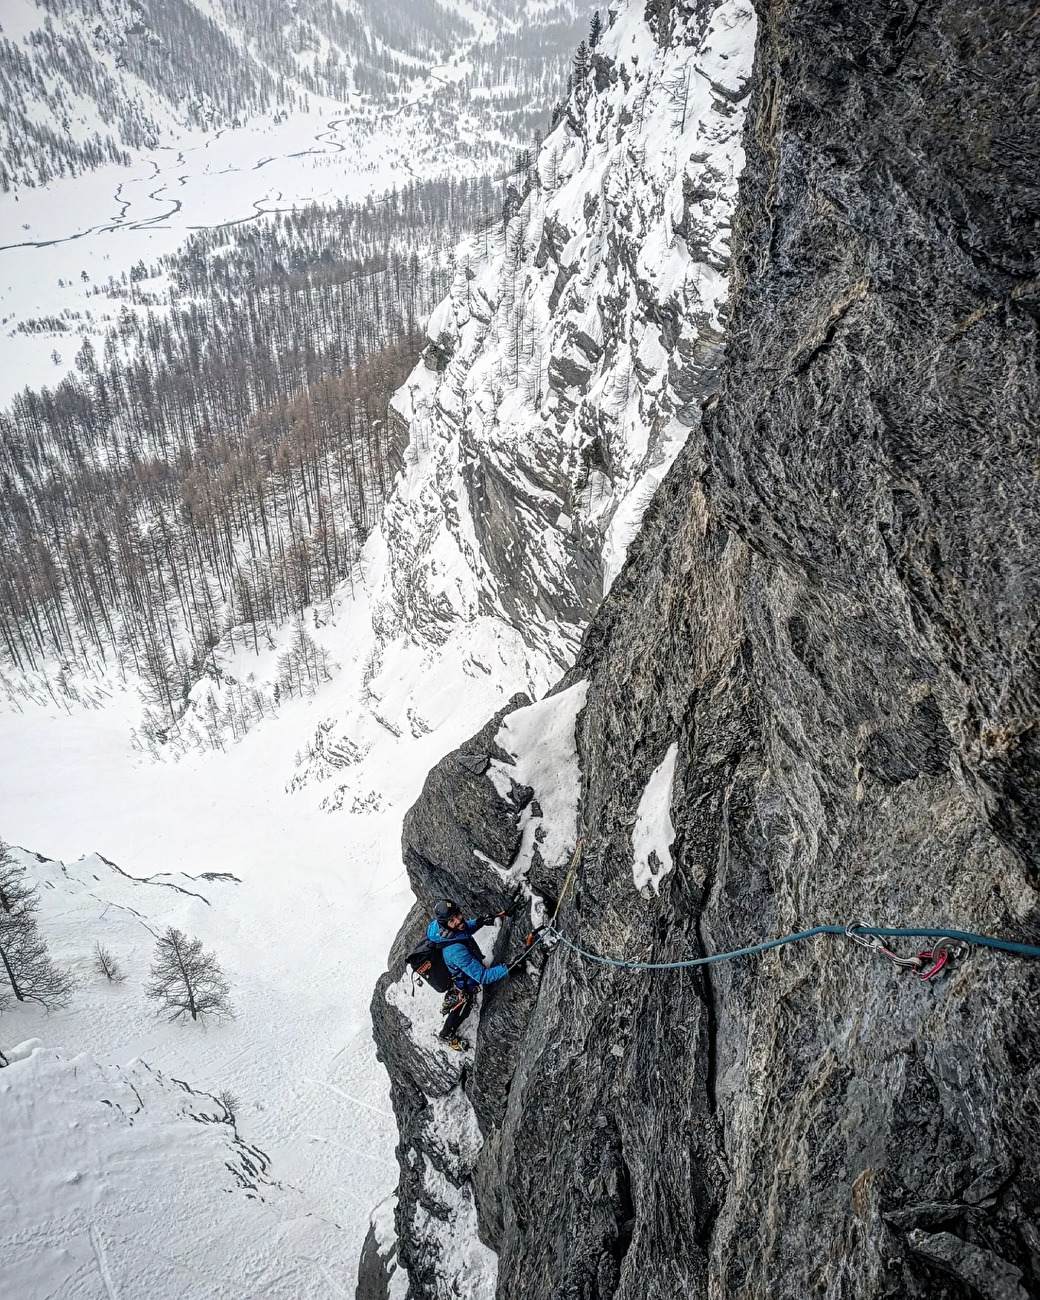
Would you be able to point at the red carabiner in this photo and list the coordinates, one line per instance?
(935, 959)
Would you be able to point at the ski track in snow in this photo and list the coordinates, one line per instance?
(98, 1243)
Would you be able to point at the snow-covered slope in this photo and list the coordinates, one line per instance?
(119, 1181)
(123, 1173)
(291, 875)
(569, 363)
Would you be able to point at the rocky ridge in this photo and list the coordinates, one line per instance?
(809, 697)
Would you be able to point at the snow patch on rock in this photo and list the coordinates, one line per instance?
(453, 1135)
(466, 1266)
(653, 834)
(542, 744)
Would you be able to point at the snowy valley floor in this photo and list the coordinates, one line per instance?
(302, 931)
(61, 243)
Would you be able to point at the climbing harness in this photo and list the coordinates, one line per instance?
(452, 1000)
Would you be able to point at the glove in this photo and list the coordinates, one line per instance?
(490, 919)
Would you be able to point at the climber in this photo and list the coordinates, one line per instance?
(453, 935)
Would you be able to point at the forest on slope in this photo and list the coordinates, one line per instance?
(86, 82)
(220, 463)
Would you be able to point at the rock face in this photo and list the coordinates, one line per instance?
(811, 696)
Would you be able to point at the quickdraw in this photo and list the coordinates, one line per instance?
(531, 941)
(538, 934)
(926, 964)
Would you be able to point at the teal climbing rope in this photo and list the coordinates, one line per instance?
(857, 932)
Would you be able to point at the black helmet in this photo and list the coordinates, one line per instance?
(444, 909)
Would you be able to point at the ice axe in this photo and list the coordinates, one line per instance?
(533, 938)
(508, 910)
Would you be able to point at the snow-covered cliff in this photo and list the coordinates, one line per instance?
(581, 335)
(564, 374)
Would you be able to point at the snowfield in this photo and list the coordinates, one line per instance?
(300, 906)
(150, 1192)
(61, 243)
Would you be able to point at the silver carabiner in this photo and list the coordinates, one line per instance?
(871, 941)
(877, 945)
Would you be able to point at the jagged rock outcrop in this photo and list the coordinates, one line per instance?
(477, 807)
(811, 696)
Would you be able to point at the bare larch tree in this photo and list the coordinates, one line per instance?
(15, 891)
(186, 981)
(105, 964)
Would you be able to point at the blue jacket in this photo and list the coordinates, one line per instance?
(461, 957)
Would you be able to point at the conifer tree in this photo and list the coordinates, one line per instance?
(28, 974)
(105, 964)
(581, 62)
(186, 981)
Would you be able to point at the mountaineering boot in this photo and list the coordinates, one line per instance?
(457, 1044)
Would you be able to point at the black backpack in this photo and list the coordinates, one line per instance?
(428, 966)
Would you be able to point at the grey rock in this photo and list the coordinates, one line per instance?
(929, 1215)
(487, 1189)
(990, 1275)
(603, 70)
(589, 347)
(919, 745)
(830, 610)
(565, 373)
(474, 764)
(460, 815)
(502, 522)
(449, 1105)
(373, 1271)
